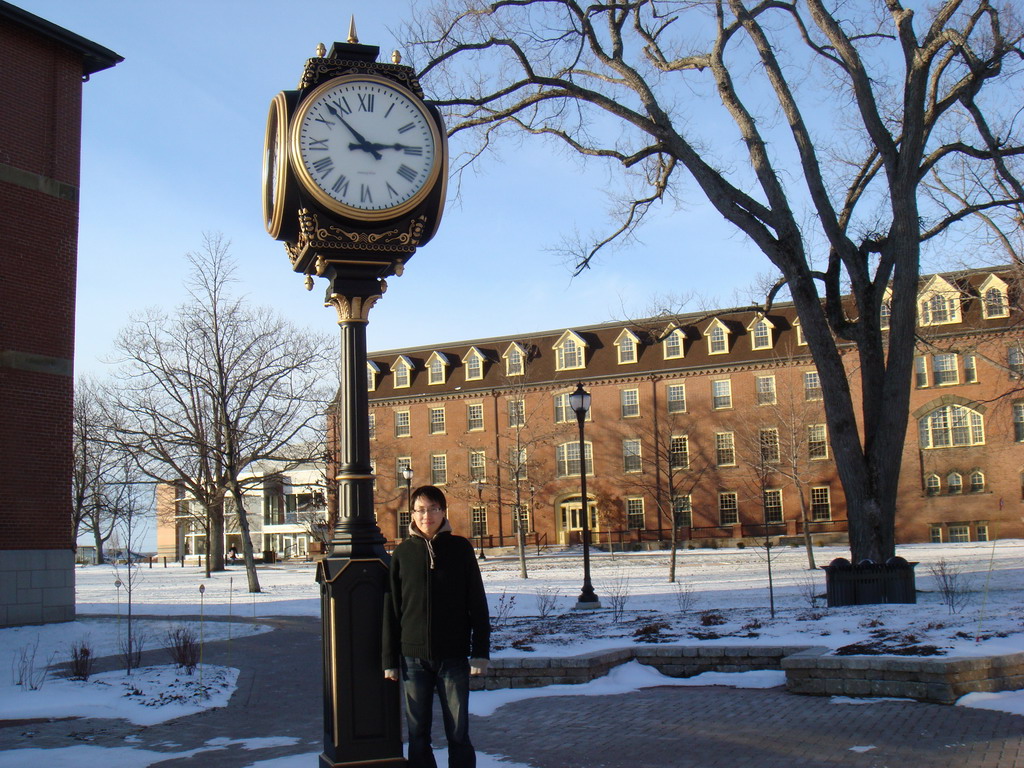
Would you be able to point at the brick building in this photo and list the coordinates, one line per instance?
(715, 419)
(42, 68)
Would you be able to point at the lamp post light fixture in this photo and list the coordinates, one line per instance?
(407, 474)
(579, 401)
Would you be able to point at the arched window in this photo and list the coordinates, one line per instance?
(954, 482)
(950, 426)
(977, 481)
(932, 485)
(995, 303)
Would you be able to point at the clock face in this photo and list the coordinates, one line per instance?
(275, 160)
(365, 147)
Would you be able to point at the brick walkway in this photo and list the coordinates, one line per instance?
(279, 695)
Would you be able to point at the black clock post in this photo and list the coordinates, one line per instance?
(341, 124)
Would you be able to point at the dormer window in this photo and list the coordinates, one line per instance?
(515, 360)
(799, 328)
(718, 338)
(402, 370)
(939, 303)
(372, 374)
(570, 352)
(994, 301)
(673, 346)
(761, 333)
(437, 368)
(627, 343)
(474, 364)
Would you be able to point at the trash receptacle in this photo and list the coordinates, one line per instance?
(269, 556)
(869, 583)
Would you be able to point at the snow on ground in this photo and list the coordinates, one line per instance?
(721, 597)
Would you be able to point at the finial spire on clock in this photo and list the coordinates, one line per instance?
(353, 38)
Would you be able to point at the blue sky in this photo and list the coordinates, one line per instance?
(172, 147)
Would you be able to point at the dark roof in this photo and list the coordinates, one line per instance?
(94, 56)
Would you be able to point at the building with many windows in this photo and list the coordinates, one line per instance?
(711, 423)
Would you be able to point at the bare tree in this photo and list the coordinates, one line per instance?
(836, 203)
(217, 385)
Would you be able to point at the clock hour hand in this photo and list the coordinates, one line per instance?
(360, 142)
(399, 147)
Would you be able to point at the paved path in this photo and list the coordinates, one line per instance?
(279, 695)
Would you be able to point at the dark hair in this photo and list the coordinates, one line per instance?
(430, 493)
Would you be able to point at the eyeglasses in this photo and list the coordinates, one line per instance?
(427, 511)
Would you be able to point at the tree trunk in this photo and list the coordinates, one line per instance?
(247, 553)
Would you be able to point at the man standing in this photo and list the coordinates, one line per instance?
(436, 628)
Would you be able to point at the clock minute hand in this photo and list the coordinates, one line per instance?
(360, 143)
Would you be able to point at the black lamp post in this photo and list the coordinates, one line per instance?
(407, 474)
(579, 401)
(480, 528)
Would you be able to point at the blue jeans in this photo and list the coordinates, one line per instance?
(450, 678)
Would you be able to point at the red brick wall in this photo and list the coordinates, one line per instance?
(40, 132)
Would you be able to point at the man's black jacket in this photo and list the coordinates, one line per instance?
(436, 607)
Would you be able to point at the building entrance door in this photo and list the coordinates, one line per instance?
(571, 521)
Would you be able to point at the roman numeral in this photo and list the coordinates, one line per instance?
(391, 190)
(406, 172)
(417, 151)
(318, 144)
(340, 186)
(323, 165)
(389, 109)
(342, 105)
(364, 194)
(365, 102)
(406, 127)
(328, 123)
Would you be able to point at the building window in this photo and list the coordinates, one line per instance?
(920, 372)
(635, 513)
(563, 413)
(769, 443)
(817, 441)
(404, 521)
(821, 504)
(728, 509)
(521, 521)
(403, 424)
(675, 395)
(626, 344)
(517, 413)
(762, 336)
(884, 314)
(672, 348)
(517, 463)
(1015, 361)
(982, 532)
(436, 369)
(568, 354)
(954, 482)
(438, 469)
(995, 304)
(932, 485)
(812, 386)
(371, 377)
(725, 449)
(477, 465)
(568, 459)
(474, 368)
(631, 459)
(936, 534)
(721, 394)
(402, 463)
(940, 309)
(773, 506)
(679, 452)
(959, 534)
(479, 522)
(402, 377)
(515, 361)
(437, 421)
(474, 417)
(977, 482)
(951, 426)
(718, 340)
(801, 340)
(629, 402)
(682, 510)
(1018, 422)
(945, 369)
(970, 369)
(765, 386)
(373, 425)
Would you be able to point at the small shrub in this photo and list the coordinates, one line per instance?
(547, 599)
(752, 624)
(651, 633)
(183, 646)
(24, 670)
(869, 623)
(953, 584)
(503, 610)
(131, 647)
(712, 619)
(82, 659)
(685, 598)
(618, 596)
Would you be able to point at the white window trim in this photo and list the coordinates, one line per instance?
(717, 324)
(627, 340)
(578, 341)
